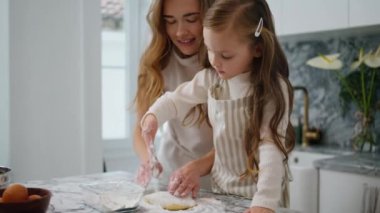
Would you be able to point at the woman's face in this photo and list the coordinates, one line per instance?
(183, 25)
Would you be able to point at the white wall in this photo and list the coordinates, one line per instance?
(55, 94)
(4, 83)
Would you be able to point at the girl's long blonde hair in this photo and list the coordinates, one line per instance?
(150, 83)
(243, 16)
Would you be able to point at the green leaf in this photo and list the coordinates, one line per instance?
(353, 81)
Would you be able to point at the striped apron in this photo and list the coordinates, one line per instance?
(229, 120)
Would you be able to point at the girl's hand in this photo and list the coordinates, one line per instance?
(146, 171)
(257, 209)
(153, 166)
(184, 181)
(149, 128)
(144, 174)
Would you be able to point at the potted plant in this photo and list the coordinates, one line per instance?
(359, 88)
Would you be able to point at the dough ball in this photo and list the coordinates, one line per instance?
(170, 202)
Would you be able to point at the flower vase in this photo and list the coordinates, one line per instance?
(364, 138)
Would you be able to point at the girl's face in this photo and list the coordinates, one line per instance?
(228, 53)
(183, 25)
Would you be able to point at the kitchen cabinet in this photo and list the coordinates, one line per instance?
(364, 12)
(342, 192)
(312, 16)
(298, 17)
(303, 189)
(295, 16)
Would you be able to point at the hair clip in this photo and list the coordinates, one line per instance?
(259, 28)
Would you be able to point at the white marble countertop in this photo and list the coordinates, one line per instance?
(367, 164)
(69, 196)
(346, 160)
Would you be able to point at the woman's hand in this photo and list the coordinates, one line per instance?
(184, 181)
(257, 209)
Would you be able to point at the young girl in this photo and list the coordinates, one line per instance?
(172, 58)
(249, 101)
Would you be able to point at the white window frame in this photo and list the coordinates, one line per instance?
(136, 32)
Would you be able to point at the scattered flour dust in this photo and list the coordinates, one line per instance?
(203, 205)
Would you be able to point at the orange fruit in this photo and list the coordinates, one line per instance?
(15, 193)
(34, 197)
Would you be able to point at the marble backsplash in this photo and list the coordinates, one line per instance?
(325, 112)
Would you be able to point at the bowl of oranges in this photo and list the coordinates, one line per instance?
(17, 198)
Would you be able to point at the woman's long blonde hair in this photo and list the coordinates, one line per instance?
(150, 83)
(243, 16)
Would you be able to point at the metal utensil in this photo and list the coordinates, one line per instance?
(155, 165)
(127, 210)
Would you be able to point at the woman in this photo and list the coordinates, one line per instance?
(172, 57)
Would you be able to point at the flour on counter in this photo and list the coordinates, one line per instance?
(110, 196)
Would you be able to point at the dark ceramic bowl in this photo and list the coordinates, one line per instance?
(30, 206)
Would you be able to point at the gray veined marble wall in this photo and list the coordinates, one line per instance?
(323, 86)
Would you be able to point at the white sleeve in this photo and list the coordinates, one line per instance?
(269, 185)
(177, 104)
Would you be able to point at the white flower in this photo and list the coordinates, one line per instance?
(373, 59)
(357, 63)
(370, 59)
(326, 62)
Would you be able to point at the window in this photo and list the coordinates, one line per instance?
(114, 115)
(123, 40)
